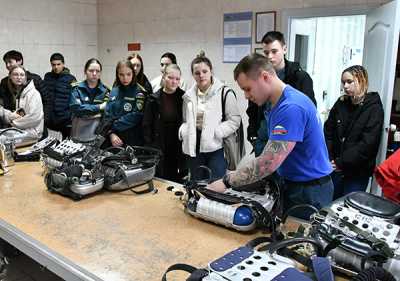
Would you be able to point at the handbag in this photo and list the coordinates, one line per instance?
(234, 149)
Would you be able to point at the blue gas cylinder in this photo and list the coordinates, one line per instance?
(243, 216)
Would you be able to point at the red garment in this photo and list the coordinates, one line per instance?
(387, 175)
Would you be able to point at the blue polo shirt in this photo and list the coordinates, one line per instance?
(295, 118)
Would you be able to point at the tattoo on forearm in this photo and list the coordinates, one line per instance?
(275, 152)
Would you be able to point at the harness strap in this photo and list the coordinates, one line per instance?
(195, 273)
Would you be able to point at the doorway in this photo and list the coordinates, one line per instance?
(324, 47)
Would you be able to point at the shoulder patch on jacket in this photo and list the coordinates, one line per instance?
(140, 99)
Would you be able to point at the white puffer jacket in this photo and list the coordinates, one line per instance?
(31, 102)
(214, 130)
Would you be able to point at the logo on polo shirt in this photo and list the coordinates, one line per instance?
(279, 130)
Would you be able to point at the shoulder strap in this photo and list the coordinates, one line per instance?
(223, 100)
(195, 273)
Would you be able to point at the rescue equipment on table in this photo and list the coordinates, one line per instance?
(257, 207)
(360, 230)
(73, 169)
(19, 137)
(275, 261)
(76, 170)
(130, 167)
(84, 128)
(11, 138)
(34, 152)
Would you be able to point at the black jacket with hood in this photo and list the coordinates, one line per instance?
(296, 77)
(353, 133)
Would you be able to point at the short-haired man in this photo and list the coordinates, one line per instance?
(296, 147)
(165, 60)
(59, 83)
(289, 72)
(7, 99)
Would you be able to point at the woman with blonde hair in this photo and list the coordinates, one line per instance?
(28, 115)
(162, 118)
(353, 132)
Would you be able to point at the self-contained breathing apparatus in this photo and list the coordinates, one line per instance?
(271, 262)
(11, 138)
(256, 207)
(130, 167)
(360, 230)
(73, 169)
(79, 169)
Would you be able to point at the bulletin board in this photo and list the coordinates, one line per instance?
(237, 36)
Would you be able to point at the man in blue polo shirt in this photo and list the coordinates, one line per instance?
(296, 147)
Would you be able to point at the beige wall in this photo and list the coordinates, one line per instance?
(181, 26)
(39, 28)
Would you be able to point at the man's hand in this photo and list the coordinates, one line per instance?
(335, 167)
(217, 186)
(115, 140)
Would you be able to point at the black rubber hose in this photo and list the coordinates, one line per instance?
(374, 273)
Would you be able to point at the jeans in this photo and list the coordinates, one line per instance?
(215, 161)
(319, 196)
(346, 184)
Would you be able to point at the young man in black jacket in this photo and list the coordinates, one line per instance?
(289, 72)
(7, 99)
(59, 83)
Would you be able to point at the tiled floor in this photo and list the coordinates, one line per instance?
(23, 268)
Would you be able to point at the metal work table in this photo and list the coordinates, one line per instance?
(108, 236)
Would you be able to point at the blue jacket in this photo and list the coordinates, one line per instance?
(59, 88)
(84, 103)
(126, 107)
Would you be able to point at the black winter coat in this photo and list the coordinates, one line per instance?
(165, 137)
(59, 88)
(152, 123)
(295, 77)
(353, 133)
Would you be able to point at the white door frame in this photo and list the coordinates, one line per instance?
(289, 14)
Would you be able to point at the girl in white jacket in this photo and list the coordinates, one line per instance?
(203, 131)
(28, 115)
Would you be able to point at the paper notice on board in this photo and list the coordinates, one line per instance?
(234, 53)
(237, 29)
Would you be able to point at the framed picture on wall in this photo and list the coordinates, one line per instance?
(259, 51)
(265, 21)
